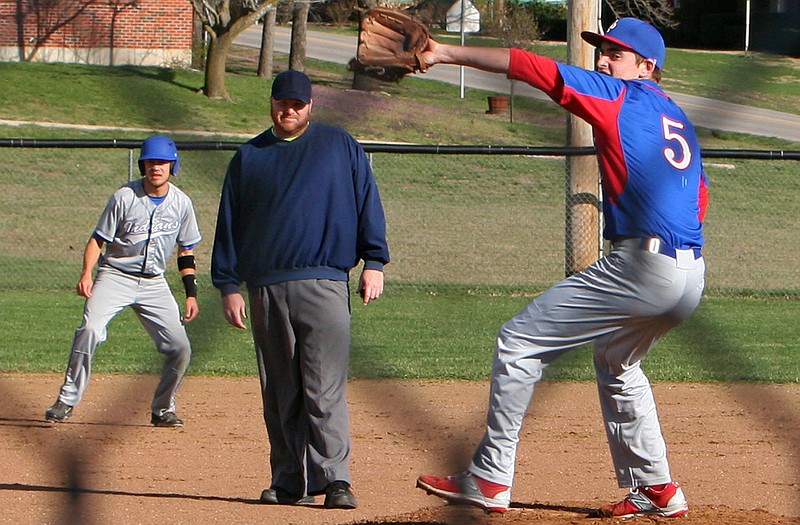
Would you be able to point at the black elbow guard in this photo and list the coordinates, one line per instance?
(185, 262)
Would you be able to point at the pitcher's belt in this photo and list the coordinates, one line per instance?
(656, 245)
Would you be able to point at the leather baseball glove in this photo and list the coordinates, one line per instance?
(390, 44)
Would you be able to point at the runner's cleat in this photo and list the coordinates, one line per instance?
(58, 413)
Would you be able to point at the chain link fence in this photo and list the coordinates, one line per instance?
(475, 216)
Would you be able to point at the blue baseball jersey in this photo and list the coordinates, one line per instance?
(649, 158)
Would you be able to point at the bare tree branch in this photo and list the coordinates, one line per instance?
(223, 20)
(657, 12)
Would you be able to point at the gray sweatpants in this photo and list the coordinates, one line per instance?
(623, 303)
(152, 301)
(301, 331)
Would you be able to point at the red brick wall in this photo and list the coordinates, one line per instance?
(87, 24)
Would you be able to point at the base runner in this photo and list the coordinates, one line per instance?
(139, 229)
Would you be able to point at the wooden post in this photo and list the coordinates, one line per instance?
(582, 234)
(267, 44)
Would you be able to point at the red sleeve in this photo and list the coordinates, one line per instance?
(538, 71)
(702, 199)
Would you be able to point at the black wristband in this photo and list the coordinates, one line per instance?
(190, 284)
(186, 261)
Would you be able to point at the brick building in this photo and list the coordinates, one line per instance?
(105, 32)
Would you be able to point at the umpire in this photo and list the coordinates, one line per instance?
(299, 209)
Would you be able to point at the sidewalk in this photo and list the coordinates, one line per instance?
(87, 127)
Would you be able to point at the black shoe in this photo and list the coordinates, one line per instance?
(58, 412)
(279, 496)
(339, 496)
(168, 419)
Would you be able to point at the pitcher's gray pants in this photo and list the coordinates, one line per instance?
(301, 331)
(152, 301)
(623, 303)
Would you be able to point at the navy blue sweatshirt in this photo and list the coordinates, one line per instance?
(307, 208)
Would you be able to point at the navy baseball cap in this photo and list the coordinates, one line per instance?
(292, 84)
(634, 34)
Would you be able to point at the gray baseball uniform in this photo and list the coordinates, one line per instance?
(623, 303)
(140, 236)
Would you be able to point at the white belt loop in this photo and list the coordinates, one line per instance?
(654, 245)
(685, 258)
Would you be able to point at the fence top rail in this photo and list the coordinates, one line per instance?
(392, 147)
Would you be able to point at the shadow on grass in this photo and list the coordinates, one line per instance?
(164, 74)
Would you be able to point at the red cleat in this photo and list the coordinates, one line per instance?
(468, 488)
(661, 500)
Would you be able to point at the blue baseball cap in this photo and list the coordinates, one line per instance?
(634, 34)
(292, 84)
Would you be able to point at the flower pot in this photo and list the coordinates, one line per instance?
(498, 105)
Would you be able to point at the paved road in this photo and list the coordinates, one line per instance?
(703, 112)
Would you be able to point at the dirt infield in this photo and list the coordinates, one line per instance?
(735, 449)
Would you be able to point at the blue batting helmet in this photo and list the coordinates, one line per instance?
(159, 147)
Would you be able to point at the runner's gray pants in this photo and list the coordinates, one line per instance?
(152, 301)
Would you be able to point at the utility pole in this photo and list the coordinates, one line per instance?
(583, 241)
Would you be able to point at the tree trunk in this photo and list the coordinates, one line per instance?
(221, 36)
(297, 52)
(215, 65)
(362, 81)
(267, 44)
(198, 43)
(498, 13)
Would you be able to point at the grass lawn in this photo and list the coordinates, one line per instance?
(429, 324)
(418, 331)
